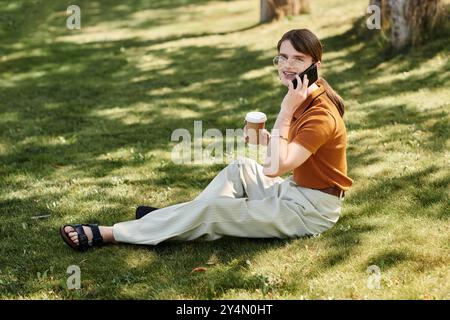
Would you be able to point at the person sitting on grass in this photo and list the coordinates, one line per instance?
(250, 200)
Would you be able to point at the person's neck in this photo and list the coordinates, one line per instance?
(312, 88)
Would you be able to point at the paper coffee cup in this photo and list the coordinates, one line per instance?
(255, 122)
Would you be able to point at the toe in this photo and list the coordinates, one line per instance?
(74, 239)
(72, 234)
(68, 229)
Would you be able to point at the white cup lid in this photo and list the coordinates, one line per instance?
(256, 117)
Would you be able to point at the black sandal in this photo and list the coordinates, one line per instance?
(83, 241)
(143, 210)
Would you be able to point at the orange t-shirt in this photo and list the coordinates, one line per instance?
(318, 127)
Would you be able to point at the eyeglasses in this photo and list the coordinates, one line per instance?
(279, 61)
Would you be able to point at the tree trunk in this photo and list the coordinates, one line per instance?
(267, 12)
(409, 21)
(277, 9)
(400, 28)
(305, 6)
(424, 17)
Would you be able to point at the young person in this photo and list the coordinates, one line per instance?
(246, 199)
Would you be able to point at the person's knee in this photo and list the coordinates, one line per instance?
(241, 168)
(244, 162)
(235, 165)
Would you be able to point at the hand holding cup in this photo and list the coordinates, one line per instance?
(254, 131)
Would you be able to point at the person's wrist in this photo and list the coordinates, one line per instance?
(284, 118)
(285, 113)
(277, 134)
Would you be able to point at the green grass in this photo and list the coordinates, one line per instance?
(86, 119)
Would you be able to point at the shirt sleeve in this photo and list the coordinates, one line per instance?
(315, 130)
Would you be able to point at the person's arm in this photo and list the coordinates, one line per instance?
(282, 156)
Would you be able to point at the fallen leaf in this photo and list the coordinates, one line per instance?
(199, 269)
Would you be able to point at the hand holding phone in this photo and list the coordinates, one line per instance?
(311, 72)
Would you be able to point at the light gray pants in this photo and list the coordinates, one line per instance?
(241, 202)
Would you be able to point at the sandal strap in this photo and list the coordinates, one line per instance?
(82, 238)
(97, 236)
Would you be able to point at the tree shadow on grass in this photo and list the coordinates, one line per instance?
(343, 239)
(70, 103)
(378, 198)
(383, 117)
(61, 100)
(368, 58)
(389, 258)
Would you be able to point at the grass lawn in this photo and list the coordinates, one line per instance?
(85, 123)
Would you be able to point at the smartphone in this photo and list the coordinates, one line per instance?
(311, 72)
